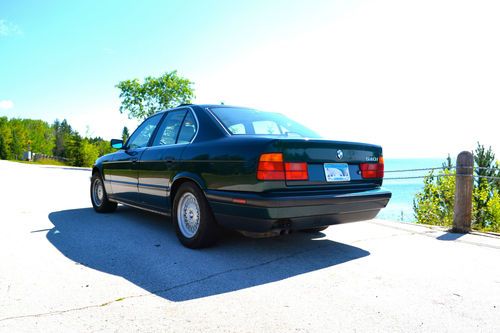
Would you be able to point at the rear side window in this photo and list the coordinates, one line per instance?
(167, 134)
(188, 129)
(179, 126)
(242, 121)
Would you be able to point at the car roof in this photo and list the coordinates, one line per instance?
(219, 106)
(203, 106)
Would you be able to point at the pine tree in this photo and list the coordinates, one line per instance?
(125, 134)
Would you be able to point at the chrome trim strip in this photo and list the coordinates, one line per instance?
(122, 182)
(195, 161)
(115, 162)
(139, 207)
(166, 188)
(197, 124)
(218, 121)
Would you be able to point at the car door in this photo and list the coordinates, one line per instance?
(122, 171)
(159, 163)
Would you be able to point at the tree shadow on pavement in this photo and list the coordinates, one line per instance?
(450, 236)
(142, 248)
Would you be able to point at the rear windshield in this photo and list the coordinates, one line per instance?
(241, 121)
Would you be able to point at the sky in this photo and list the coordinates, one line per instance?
(420, 78)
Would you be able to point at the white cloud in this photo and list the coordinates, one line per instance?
(9, 29)
(6, 104)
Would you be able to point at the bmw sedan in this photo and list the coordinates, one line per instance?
(261, 173)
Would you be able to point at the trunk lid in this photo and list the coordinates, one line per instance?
(330, 164)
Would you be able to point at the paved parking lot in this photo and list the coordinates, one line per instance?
(65, 268)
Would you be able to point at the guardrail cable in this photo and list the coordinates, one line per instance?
(487, 177)
(441, 168)
(485, 168)
(441, 174)
(423, 169)
(421, 177)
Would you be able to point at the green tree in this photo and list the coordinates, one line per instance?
(5, 139)
(74, 150)
(435, 203)
(142, 100)
(494, 208)
(17, 134)
(89, 153)
(58, 139)
(19, 142)
(103, 146)
(125, 134)
(40, 135)
(62, 134)
(484, 183)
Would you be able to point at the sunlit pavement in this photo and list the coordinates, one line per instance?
(65, 268)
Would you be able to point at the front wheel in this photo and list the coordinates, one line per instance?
(194, 223)
(99, 197)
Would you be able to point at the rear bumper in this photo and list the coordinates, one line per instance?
(266, 212)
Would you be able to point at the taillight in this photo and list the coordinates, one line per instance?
(296, 171)
(272, 167)
(372, 170)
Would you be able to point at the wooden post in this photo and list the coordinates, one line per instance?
(463, 193)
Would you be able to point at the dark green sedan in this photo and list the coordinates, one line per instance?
(258, 172)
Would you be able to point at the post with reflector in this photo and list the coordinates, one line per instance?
(462, 215)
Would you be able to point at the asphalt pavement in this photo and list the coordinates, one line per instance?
(65, 268)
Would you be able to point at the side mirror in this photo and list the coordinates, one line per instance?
(116, 143)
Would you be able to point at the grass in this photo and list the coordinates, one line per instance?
(43, 161)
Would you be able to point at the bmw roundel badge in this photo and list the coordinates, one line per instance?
(340, 154)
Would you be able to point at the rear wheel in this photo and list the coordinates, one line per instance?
(194, 223)
(99, 197)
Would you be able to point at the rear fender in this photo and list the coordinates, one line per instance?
(184, 177)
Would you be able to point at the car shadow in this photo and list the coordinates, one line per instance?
(142, 248)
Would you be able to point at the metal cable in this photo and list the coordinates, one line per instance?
(485, 168)
(450, 175)
(418, 177)
(440, 168)
(424, 169)
(487, 177)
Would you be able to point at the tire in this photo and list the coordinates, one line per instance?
(194, 222)
(315, 230)
(98, 196)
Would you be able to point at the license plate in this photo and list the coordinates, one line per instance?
(337, 172)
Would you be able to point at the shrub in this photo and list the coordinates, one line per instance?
(435, 203)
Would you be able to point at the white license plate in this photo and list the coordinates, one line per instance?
(337, 172)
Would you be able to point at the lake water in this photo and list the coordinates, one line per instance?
(400, 207)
